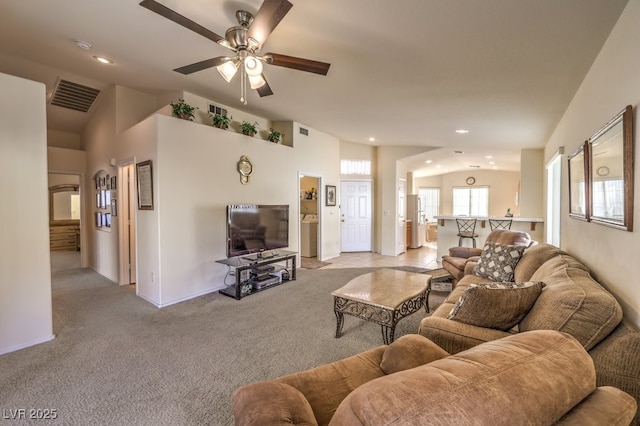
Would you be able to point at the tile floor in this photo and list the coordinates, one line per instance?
(423, 257)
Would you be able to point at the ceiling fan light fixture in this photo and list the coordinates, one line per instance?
(256, 81)
(228, 70)
(252, 66)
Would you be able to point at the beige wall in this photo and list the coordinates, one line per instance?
(25, 277)
(531, 193)
(503, 187)
(611, 84)
(179, 241)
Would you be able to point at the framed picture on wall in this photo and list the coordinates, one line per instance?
(330, 196)
(144, 177)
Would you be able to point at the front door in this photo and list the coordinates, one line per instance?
(356, 217)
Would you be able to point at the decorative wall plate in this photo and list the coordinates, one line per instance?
(245, 168)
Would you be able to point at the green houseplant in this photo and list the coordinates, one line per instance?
(221, 121)
(274, 136)
(249, 129)
(183, 110)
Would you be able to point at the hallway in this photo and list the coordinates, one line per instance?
(423, 257)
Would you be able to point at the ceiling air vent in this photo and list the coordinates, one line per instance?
(68, 94)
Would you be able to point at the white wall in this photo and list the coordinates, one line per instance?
(25, 280)
(612, 83)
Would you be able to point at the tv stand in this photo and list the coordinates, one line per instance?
(252, 273)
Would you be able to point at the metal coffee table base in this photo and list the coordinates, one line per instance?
(387, 317)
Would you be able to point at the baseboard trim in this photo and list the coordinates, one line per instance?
(26, 345)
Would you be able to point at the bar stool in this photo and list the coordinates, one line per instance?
(500, 223)
(466, 229)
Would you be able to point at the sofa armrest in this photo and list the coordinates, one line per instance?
(271, 403)
(410, 351)
(604, 406)
(464, 252)
(470, 266)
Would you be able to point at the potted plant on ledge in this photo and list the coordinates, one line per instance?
(274, 136)
(249, 129)
(183, 110)
(221, 121)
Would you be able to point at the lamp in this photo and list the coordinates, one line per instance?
(228, 69)
(251, 69)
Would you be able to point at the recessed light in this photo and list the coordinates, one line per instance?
(495, 167)
(462, 131)
(492, 162)
(103, 60)
(372, 139)
(429, 161)
(488, 157)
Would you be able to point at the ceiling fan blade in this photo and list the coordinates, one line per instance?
(202, 65)
(171, 15)
(301, 64)
(268, 17)
(265, 89)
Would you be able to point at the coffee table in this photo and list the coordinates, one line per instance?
(384, 296)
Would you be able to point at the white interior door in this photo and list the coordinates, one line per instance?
(125, 209)
(401, 235)
(356, 217)
(554, 181)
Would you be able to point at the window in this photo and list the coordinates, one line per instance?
(355, 167)
(608, 198)
(471, 201)
(430, 200)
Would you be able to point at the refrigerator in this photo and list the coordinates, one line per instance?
(416, 214)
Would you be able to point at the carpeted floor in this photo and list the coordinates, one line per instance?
(118, 360)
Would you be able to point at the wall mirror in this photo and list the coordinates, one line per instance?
(611, 172)
(578, 183)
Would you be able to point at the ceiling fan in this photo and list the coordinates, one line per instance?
(245, 40)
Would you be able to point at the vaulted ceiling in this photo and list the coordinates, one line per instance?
(409, 72)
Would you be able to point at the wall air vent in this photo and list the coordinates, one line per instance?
(304, 131)
(68, 94)
(213, 109)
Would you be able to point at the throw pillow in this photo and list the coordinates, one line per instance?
(496, 305)
(498, 261)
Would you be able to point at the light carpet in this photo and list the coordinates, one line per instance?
(118, 360)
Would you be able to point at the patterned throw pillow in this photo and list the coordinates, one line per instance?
(496, 305)
(498, 261)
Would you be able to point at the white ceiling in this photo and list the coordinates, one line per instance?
(408, 72)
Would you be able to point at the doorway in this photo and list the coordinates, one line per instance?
(125, 212)
(65, 213)
(356, 216)
(309, 217)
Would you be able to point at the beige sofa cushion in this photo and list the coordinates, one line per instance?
(572, 302)
(483, 385)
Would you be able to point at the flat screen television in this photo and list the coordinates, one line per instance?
(253, 228)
